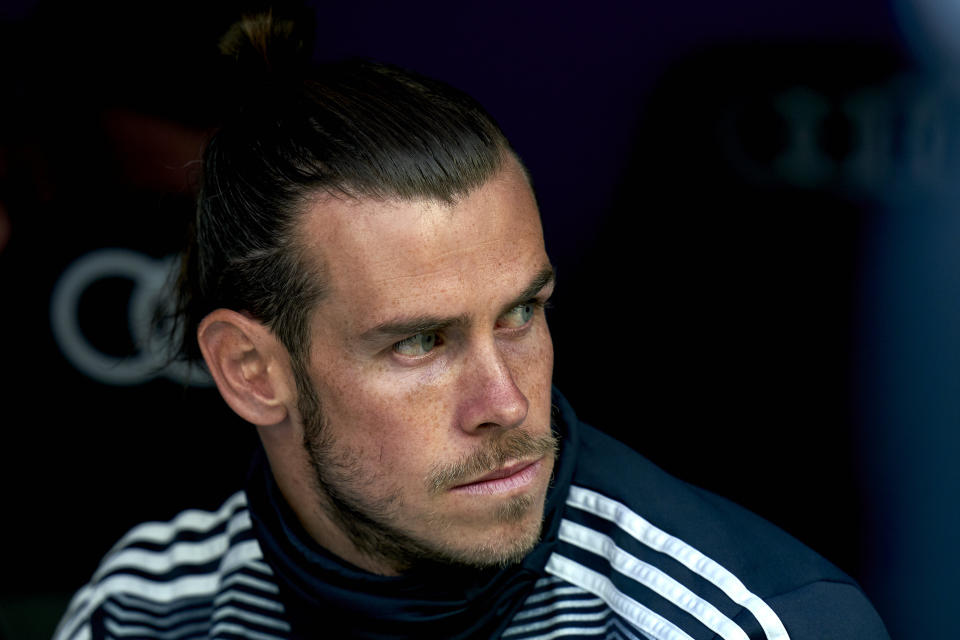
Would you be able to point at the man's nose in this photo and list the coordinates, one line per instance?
(489, 393)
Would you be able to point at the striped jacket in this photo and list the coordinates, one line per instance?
(629, 552)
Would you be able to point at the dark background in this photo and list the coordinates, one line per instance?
(750, 206)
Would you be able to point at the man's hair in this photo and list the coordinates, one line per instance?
(354, 129)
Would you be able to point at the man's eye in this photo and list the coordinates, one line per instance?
(417, 345)
(518, 316)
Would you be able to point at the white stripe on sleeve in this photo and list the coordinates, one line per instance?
(652, 577)
(648, 534)
(638, 615)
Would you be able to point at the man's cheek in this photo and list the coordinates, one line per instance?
(532, 367)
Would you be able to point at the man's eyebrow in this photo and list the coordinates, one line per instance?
(405, 327)
(538, 284)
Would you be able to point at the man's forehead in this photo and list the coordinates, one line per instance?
(372, 231)
(381, 252)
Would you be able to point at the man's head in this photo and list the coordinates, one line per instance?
(367, 287)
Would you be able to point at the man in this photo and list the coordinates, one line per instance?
(367, 286)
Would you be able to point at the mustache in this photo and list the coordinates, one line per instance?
(514, 445)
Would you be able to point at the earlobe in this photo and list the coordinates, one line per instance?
(249, 366)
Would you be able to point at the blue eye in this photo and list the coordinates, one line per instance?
(518, 316)
(416, 345)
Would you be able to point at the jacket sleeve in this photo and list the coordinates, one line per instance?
(76, 621)
(826, 609)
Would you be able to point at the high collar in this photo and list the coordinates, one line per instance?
(318, 588)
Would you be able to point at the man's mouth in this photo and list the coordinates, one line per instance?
(502, 480)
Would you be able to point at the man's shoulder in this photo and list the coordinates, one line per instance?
(182, 577)
(613, 478)
(682, 556)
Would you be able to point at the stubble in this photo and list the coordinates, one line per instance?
(374, 525)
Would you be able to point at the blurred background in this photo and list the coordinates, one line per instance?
(752, 208)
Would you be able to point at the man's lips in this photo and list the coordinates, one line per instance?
(502, 480)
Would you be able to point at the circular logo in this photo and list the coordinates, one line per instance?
(149, 278)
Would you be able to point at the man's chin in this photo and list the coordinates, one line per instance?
(503, 536)
(515, 531)
(500, 550)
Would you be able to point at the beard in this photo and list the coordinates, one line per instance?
(374, 524)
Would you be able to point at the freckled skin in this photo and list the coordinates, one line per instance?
(393, 418)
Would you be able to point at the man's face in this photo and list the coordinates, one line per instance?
(429, 432)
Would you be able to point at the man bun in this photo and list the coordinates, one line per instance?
(266, 47)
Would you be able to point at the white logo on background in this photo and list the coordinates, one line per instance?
(149, 279)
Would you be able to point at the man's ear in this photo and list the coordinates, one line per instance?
(249, 365)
